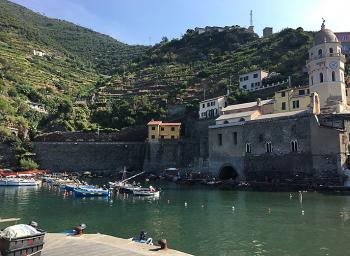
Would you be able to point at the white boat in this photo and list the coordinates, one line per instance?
(146, 192)
(18, 182)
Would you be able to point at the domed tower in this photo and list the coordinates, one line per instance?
(326, 71)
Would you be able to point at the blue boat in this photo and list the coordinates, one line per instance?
(87, 192)
(71, 187)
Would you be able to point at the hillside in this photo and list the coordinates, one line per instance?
(180, 70)
(52, 63)
(96, 50)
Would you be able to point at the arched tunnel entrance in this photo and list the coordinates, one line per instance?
(227, 173)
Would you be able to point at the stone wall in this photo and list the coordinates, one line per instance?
(89, 156)
(164, 154)
(7, 157)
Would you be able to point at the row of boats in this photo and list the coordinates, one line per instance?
(81, 188)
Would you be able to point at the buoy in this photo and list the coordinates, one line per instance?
(290, 196)
(269, 210)
(185, 204)
(233, 208)
(302, 212)
(168, 201)
(202, 205)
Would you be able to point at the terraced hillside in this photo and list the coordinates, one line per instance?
(48, 69)
(179, 71)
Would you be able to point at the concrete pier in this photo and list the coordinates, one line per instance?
(98, 244)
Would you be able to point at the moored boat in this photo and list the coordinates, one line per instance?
(146, 192)
(18, 182)
(85, 192)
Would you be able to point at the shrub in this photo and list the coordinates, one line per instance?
(28, 164)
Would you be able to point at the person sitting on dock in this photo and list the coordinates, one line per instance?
(143, 238)
(79, 230)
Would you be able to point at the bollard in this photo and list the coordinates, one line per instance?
(163, 244)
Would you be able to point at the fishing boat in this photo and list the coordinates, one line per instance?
(85, 192)
(71, 187)
(18, 182)
(123, 186)
(146, 192)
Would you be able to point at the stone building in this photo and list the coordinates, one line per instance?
(267, 31)
(310, 144)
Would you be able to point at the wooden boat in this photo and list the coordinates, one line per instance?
(71, 187)
(146, 192)
(85, 192)
(18, 182)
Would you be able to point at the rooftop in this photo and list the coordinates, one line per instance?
(161, 123)
(265, 118)
(325, 36)
(236, 115)
(259, 70)
(247, 105)
(219, 97)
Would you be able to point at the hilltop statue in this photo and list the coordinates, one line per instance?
(323, 26)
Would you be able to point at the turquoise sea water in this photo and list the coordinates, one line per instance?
(259, 224)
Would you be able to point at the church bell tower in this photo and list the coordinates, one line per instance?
(326, 67)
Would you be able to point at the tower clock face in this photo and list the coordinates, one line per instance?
(333, 65)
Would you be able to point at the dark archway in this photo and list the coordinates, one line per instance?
(228, 172)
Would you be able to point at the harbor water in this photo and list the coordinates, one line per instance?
(197, 220)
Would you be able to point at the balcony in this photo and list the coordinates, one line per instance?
(318, 57)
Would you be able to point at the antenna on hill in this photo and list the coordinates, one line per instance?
(251, 17)
(251, 27)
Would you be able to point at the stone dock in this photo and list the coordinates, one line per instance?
(98, 244)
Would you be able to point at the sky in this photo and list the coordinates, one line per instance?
(147, 21)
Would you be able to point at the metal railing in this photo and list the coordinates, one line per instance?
(321, 56)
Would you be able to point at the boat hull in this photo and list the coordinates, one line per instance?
(90, 193)
(15, 183)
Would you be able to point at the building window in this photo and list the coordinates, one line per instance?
(321, 77)
(255, 75)
(283, 106)
(244, 87)
(162, 129)
(252, 85)
(234, 138)
(283, 94)
(245, 78)
(294, 146)
(203, 105)
(308, 91)
(162, 137)
(333, 76)
(172, 129)
(301, 92)
(208, 104)
(219, 139)
(248, 148)
(295, 103)
(241, 79)
(153, 136)
(213, 103)
(153, 128)
(312, 80)
(331, 51)
(172, 137)
(320, 53)
(268, 147)
(216, 111)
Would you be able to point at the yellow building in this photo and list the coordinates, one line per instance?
(159, 130)
(292, 99)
